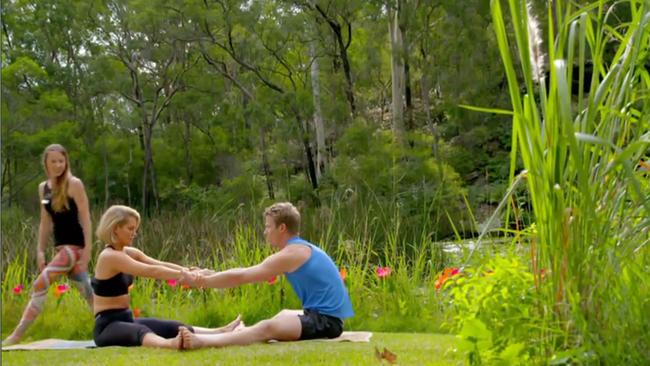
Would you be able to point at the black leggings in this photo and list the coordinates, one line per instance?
(116, 327)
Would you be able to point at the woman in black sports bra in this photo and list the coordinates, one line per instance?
(64, 211)
(116, 266)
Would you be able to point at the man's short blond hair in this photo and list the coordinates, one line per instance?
(284, 213)
(116, 215)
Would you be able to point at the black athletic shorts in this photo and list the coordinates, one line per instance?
(117, 327)
(315, 325)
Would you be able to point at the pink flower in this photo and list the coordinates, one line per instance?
(61, 289)
(18, 289)
(272, 280)
(172, 283)
(383, 272)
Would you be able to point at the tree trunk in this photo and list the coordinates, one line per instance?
(6, 179)
(318, 115)
(410, 125)
(342, 46)
(266, 167)
(305, 142)
(349, 85)
(426, 104)
(128, 181)
(149, 191)
(397, 74)
(106, 180)
(187, 140)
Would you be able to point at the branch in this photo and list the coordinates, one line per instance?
(224, 71)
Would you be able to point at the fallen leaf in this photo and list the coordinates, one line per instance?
(385, 355)
(389, 356)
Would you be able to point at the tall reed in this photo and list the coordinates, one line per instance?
(580, 149)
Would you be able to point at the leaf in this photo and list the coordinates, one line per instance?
(474, 328)
(487, 110)
(511, 353)
(385, 355)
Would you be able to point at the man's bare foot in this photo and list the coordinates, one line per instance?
(177, 342)
(232, 326)
(10, 341)
(190, 340)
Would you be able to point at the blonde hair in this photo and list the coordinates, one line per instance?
(60, 189)
(116, 215)
(284, 213)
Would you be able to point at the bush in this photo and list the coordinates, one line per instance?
(496, 311)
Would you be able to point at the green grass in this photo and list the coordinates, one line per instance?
(411, 349)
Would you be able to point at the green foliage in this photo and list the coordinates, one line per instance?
(371, 167)
(580, 152)
(497, 312)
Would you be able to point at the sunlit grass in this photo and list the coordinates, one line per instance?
(411, 349)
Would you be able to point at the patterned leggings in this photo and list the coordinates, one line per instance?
(63, 263)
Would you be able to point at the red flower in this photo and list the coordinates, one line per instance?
(136, 312)
(18, 289)
(272, 280)
(172, 283)
(445, 275)
(343, 273)
(61, 289)
(383, 272)
(185, 286)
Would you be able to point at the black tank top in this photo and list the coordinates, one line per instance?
(112, 287)
(67, 229)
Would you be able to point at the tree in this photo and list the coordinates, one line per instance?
(144, 38)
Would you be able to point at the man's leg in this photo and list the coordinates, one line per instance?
(285, 326)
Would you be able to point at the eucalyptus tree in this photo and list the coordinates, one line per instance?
(338, 16)
(260, 41)
(144, 37)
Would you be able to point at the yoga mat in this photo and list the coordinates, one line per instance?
(350, 337)
(50, 343)
(53, 343)
(344, 337)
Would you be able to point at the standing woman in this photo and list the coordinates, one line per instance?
(116, 266)
(64, 210)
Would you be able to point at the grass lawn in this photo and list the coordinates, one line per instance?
(410, 348)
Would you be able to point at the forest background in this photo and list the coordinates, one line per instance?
(362, 113)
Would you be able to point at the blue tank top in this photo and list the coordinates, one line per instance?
(318, 284)
(67, 229)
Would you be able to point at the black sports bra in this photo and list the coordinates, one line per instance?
(117, 285)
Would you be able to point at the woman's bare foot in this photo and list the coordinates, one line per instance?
(10, 341)
(233, 325)
(239, 327)
(190, 340)
(177, 342)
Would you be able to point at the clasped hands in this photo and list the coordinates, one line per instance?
(194, 276)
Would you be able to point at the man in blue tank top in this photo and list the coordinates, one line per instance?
(310, 271)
